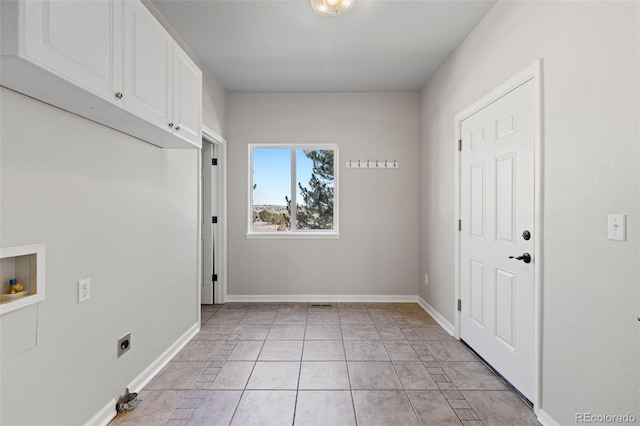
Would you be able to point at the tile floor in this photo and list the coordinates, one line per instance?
(347, 364)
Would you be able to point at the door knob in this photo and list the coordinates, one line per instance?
(526, 257)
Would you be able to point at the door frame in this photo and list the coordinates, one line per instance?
(532, 72)
(220, 238)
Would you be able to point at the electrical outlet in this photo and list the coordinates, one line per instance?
(426, 279)
(84, 290)
(124, 344)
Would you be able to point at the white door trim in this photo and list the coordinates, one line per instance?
(220, 291)
(532, 72)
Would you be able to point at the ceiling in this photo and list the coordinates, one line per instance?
(283, 45)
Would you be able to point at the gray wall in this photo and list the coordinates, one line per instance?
(213, 103)
(377, 253)
(591, 52)
(108, 207)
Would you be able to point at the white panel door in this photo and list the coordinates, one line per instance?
(147, 66)
(80, 41)
(208, 211)
(497, 207)
(187, 97)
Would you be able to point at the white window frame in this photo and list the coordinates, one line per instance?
(294, 233)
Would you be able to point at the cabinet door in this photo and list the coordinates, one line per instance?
(81, 41)
(187, 97)
(147, 66)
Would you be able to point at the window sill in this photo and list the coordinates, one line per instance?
(293, 235)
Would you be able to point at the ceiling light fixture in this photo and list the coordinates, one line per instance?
(332, 7)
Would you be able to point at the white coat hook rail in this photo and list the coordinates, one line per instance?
(372, 164)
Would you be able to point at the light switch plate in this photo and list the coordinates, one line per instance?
(617, 227)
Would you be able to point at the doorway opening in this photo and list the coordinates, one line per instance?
(214, 219)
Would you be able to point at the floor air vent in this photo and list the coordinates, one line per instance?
(321, 305)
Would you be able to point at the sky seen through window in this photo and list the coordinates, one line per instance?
(272, 175)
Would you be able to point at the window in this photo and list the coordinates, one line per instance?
(293, 191)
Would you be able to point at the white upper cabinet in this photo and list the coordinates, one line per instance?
(107, 60)
(147, 66)
(79, 40)
(187, 97)
(162, 84)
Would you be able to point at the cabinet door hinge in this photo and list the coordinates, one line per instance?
(459, 225)
(459, 144)
(214, 161)
(214, 219)
(459, 305)
(214, 278)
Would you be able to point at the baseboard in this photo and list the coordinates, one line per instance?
(545, 419)
(353, 298)
(108, 412)
(150, 372)
(448, 327)
(105, 415)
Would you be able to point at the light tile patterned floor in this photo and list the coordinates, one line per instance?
(346, 364)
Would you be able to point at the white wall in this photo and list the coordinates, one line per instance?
(111, 208)
(377, 253)
(591, 53)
